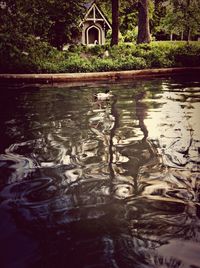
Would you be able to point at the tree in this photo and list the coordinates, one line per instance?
(127, 13)
(64, 18)
(54, 21)
(182, 17)
(115, 22)
(171, 23)
(158, 12)
(190, 16)
(143, 22)
(128, 16)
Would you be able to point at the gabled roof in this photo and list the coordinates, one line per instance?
(90, 7)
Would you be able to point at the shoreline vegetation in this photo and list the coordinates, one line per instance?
(41, 58)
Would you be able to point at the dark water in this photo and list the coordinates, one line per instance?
(87, 183)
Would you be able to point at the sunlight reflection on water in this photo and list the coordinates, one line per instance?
(92, 183)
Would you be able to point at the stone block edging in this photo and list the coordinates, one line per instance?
(98, 76)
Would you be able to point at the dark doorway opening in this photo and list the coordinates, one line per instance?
(93, 36)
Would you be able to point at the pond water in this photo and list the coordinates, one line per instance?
(87, 183)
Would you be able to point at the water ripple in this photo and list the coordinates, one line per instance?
(114, 182)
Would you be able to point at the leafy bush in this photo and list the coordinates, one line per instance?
(101, 65)
(188, 55)
(39, 57)
(133, 63)
(118, 64)
(32, 57)
(131, 35)
(120, 51)
(75, 64)
(157, 58)
(76, 48)
(96, 50)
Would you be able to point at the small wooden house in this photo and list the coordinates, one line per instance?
(94, 26)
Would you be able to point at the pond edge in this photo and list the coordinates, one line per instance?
(99, 76)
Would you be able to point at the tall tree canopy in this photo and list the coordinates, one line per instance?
(181, 17)
(55, 21)
(64, 18)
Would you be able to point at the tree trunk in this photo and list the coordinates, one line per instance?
(188, 34)
(188, 30)
(143, 22)
(181, 35)
(115, 22)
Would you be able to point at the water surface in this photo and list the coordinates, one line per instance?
(86, 183)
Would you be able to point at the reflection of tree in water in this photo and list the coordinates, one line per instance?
(100, 198)
(141, 108)
(149, 228)
(136, 153)
(152, 223)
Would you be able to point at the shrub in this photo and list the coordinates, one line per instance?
(120, 51)
(96, 50)
(131, 35)
(157, 58)
(32, 57)
(74, 48)
(103, 65)
(118, 64)
(39, 57)
(75, 64)
(189, 56)
(133, 63)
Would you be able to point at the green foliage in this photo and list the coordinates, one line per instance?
(64, 18)
(155, 56)
(40, 57)
(181, 18)
(33, 58)
(128, 16)
(172, 22)
(131, 35)
(103, 65)
(75, 64)
(121, 51)
(158, 13)
(54, 21)
(75, 48)
(188, 55)
(132, 63)
(96, 50)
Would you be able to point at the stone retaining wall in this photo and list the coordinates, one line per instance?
(100, 76)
